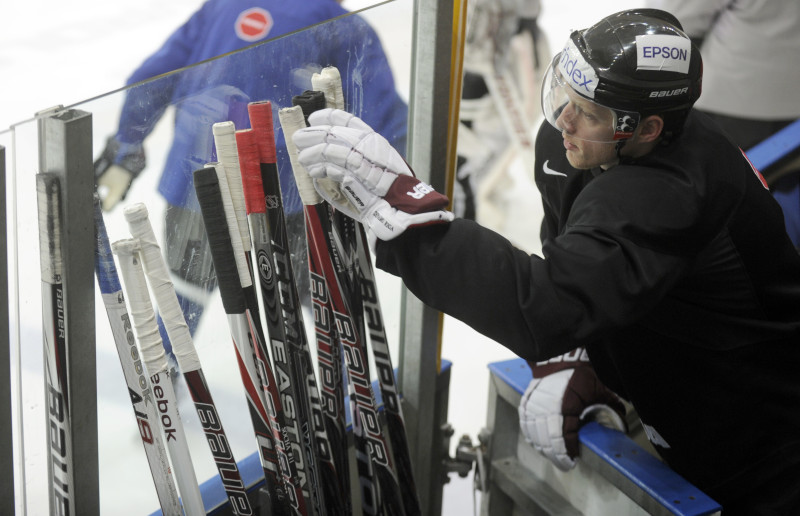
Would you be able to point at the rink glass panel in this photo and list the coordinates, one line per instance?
(125, 482)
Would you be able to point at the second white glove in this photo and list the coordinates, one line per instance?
(556, 404)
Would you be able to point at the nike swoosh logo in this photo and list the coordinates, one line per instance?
(549, 171)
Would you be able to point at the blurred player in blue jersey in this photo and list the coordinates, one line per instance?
(219, 90)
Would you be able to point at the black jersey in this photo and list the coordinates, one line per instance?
(676, 273)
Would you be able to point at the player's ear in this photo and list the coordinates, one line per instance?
(650, 128)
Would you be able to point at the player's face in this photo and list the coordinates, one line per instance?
(587, 129)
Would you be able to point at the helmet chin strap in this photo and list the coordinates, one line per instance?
(618, 148)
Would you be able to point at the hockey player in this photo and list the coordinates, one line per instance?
(219, 91)
(664, 257)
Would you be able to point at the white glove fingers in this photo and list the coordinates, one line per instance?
(337, 117)
(310, 136)
(541, 419)
(378, 151)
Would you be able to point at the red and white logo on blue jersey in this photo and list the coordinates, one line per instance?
(253, 24)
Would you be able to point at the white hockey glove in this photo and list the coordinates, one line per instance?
(360, 174)
(564, 394)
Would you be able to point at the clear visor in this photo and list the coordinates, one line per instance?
(579, 116)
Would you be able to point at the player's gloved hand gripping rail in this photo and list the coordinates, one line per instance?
(613, 470)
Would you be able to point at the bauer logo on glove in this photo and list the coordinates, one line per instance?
(360, 174)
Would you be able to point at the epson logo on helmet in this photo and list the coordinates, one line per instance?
(663, 52)
(580, 75)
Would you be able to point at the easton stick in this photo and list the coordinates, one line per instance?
(383, 496)
(262, 174)
(253, 365)
(155, 359)
(330, 82)
(139, 388)
(231, 188)
(59, 428)
(178, 331)
(290, 352)
(255, 204)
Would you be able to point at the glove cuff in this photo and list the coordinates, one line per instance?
(410, 195)
(570, 360)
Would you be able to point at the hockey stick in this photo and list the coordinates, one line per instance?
(255, 204)
(331, 439)
(152, 350)
(253, 364)
(59, 435)
(374, 462)
(290, 351)
(366, 295)
(186, 354)
(228, 156)
(139, 388)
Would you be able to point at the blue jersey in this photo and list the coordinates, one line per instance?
(219, 90)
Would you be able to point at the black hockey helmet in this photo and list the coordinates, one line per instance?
(637, 63)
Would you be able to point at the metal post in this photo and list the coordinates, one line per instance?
(65, 147)
(420, 334)
(6, 439)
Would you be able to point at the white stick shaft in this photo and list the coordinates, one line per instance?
(228, 156)
(144, 321)
(164, 291)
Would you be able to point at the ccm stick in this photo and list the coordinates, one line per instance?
(254, 367)
(282, 304)
(139, 389)
(255, 205)
(292, 467)
(231, 186)
(59, 434)
(152, 350)
(291, 355)
(330, 83)
(186, 354)
(383, 496)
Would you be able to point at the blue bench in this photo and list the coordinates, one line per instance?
(779, 152)
(609, 454)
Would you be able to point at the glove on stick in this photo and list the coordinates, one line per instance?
(360, 174)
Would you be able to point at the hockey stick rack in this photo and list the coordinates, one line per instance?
(65, 141)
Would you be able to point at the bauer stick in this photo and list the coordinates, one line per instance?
(330, 83)
(59, 465)
(373, 460)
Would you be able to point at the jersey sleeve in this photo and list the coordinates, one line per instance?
(593, 278)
